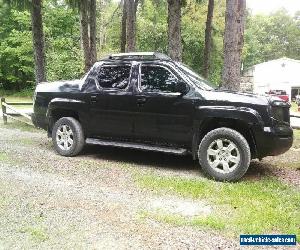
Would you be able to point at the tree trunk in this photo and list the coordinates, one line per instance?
(123, 27)
(233, 43)
(101, 28)
(131, 8)
(208, 38)
(93, 32)
(38, 41)
(84, 22)
(174, 29)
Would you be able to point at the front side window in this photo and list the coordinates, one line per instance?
(157, 79)
(113, 77)
(195, 78)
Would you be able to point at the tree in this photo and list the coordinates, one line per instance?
(62, 49)
(233, 43)
(208, 39)
(269, 37)
(16, 49)
(87, 10)
(35, 7)
(131, 9)
(62, 34)
(123, 27)
(93, 31)
(153, 20)
(38, 40)
(174, 30)
(84, 28)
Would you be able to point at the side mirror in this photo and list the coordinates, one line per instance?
(181, 87)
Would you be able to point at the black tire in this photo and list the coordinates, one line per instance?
(241, 152)
(77, 136)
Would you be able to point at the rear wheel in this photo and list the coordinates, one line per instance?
(67, 136)
(224, 154)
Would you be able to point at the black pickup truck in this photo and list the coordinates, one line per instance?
(147, 101)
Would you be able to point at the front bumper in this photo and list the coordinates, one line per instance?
(274, 141)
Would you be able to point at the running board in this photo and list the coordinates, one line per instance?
(178, 151)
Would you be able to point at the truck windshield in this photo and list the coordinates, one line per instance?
(195, 78)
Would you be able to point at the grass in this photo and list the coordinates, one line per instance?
(8, 158)
(23, 96)
(36, 233)
(294, 107)
(3, 157)
(27, 141)
(25, 93)
(211, 222)
(250, 207)
(296, 143)
(291, 165)
(11, 124)
(19, 99)
(297, 134)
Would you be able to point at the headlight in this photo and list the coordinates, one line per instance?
(281, 114)
(277, 113)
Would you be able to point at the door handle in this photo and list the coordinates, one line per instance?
(141, 100)
(93, 99)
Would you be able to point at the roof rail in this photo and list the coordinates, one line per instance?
(139, 56)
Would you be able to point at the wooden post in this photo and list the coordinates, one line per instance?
(3, 110)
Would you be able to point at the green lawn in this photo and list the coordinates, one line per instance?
(12, 124)
(294, 107)
(247, 207)
(16, 98)
(26, 93)
(296, 143)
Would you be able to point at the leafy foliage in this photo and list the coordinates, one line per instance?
(16, 60)
(271, 37)
(152, 19)
(266, 37)
(62, 35)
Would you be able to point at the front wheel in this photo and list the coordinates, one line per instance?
(67, 136)
(224, 154)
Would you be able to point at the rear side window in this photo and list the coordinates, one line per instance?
(157, 79)
(114, 77)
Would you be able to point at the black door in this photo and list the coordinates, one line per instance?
(112, 104)
(164, 115)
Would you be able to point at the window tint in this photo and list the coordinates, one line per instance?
(157, 79)
(115, 77)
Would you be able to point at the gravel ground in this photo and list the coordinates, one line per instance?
(92, 201)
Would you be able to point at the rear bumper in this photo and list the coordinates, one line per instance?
(276, 141)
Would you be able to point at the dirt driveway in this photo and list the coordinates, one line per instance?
(92, 201)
